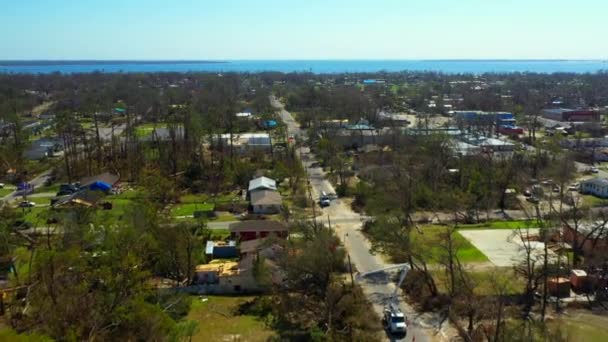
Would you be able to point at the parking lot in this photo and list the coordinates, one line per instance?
(502, 246)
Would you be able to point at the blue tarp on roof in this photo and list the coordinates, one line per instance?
(99, 185)
(270, 124)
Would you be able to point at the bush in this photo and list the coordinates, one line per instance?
(342, 190)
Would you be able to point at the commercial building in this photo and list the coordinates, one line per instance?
(571, 115)
(597, 187)
(504, 121)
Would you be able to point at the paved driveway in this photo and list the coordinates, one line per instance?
(502, 246)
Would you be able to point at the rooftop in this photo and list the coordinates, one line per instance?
(262, 183)
(257, 225)
(597, 181)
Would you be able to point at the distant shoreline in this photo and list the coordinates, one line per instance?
(332, 66)
(99, 62)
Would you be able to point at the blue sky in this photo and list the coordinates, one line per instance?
(303, 29)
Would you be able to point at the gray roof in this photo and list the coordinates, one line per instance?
(266, 197)
(262, 183)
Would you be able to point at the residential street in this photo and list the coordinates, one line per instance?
(37, 182)
(348, 224)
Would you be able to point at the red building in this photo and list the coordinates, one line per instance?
(592, 238)
(256, 229)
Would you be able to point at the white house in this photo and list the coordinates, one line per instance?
(597, 187)
(265, 202)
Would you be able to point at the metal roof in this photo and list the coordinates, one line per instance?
(597, 181)
(262, 183)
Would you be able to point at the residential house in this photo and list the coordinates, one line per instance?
(255, 229)
(244, 142)
(266, 247)
(265, 201)
(597, 187)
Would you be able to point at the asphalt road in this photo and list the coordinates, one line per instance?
(348, 224)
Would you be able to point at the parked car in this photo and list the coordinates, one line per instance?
(594, 169)
(68, 187)
(1, 185)
(556, 188)
(527, 193)
(65, 192)
(324, 201)
(573, 187)
(27, 204)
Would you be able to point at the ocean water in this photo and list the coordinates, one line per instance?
(315, 66)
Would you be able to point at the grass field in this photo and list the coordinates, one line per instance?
(514, 224)
(218, 321)
(430, 237)
(54, 188)
(595, 202)
(200, 198)
(582, 326)
(6, 190)
(188, 209)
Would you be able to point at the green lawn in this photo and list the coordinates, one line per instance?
(54, 188)
(593, 201)
(484, 281)
(188, 209)
(36, 216)
(227, 197)
(583, 327)
(147, 129)
(6, 190)
(218, 321)
(430, 237)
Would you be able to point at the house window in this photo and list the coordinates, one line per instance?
(237, 288)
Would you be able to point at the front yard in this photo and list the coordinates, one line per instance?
(219, 320)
